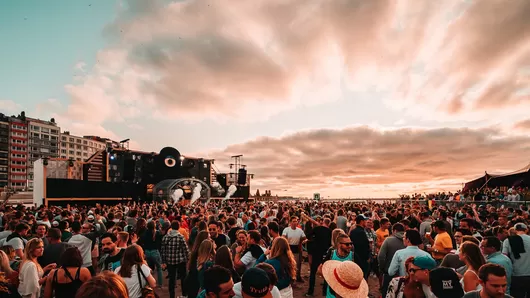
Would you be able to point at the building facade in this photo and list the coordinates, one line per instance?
(79, 148)
(18, 153)
(44, 138)
(4, 150)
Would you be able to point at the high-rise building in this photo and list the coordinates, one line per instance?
(79, 148)
(18, 153)
(44, 138)
(4, 149)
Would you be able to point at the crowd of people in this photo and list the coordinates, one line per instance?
(257, 249)
(514, 194)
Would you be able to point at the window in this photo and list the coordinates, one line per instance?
(35, 128)
(45, 137)
(63, 145)
(91, 143)
(44, 150)
(78, 153)
(71, 140)
(63, 156)
(53, 144)
(85, 142)
(53, 138)
(85, 148)
(78, 141)
(63, 139)
(46, 130)
(63, 151)
(71, 152)
(85, 154)
(36, 135)
(78, 146)
(54, 131)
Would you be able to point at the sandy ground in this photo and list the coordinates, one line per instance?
(300, 289)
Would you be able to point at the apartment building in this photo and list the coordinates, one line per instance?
(79, 148)
(44, 138)
(18, 153)
(4, 150)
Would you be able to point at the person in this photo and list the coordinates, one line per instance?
(322, 242)
(345, 278)
(31, 273)
(360, 241)
(113, 254)
(491, 247)
(218, 283)
(107, 284)
(389, 248)
(517, 247)
(85, 241)
(134, 271)
(412, 241)
(342, 253)
(493, 281)
(404, 285)
(55, 249)
(419, 271)
(223, 258)
(151, 243)
(471, 255)
(174, 252)
(284, 263)
(295, 236)
(255, 283)
(444, 283)
(442, 244)
(64, 282)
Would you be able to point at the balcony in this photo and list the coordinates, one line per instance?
(19, 130)
(18, 166)
(19, 158)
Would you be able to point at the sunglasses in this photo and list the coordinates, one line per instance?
(212, 230)
(413, 270)
(347, 243)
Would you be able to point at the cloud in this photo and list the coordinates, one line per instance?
(522, 125)
(464, 59)
(369, 162)
(135, 126)
(9, 107)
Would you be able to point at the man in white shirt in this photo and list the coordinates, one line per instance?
(247, 256)
(295, 236)
(16, 239)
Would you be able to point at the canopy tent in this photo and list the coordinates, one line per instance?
(519, 178)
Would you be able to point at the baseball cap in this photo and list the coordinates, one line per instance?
(424, 262)
(90, 217)
(520, 227)
(445, 283)
(256, 283)
(360, 217)
(55, 223)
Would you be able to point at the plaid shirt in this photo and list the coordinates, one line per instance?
(174, 249)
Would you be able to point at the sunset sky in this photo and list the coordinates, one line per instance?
(348, 98)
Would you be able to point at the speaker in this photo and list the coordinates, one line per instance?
(221, 178)
(128, 170)
(242, 177)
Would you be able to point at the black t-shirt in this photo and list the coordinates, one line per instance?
(232, 234)
(321, 239)
(113, 262)
(220, 240)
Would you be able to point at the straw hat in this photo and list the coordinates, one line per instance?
(345, 278)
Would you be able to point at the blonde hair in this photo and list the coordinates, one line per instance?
(4, 263)
(28, 252)
(281, 251)
(205, 253)
(334, 236)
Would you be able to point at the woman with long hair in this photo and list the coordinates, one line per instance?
(64, 282)
(201, 236)
(282, 259)
(135, 271)
(223, 258)
(30, 274)
(471, 255)
(203, 259)
(151, 241)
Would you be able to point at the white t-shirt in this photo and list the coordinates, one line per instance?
(248, 260)
(132, 282)
(293, 236)
(16, 243)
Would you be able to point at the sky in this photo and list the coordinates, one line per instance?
(347, 98)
